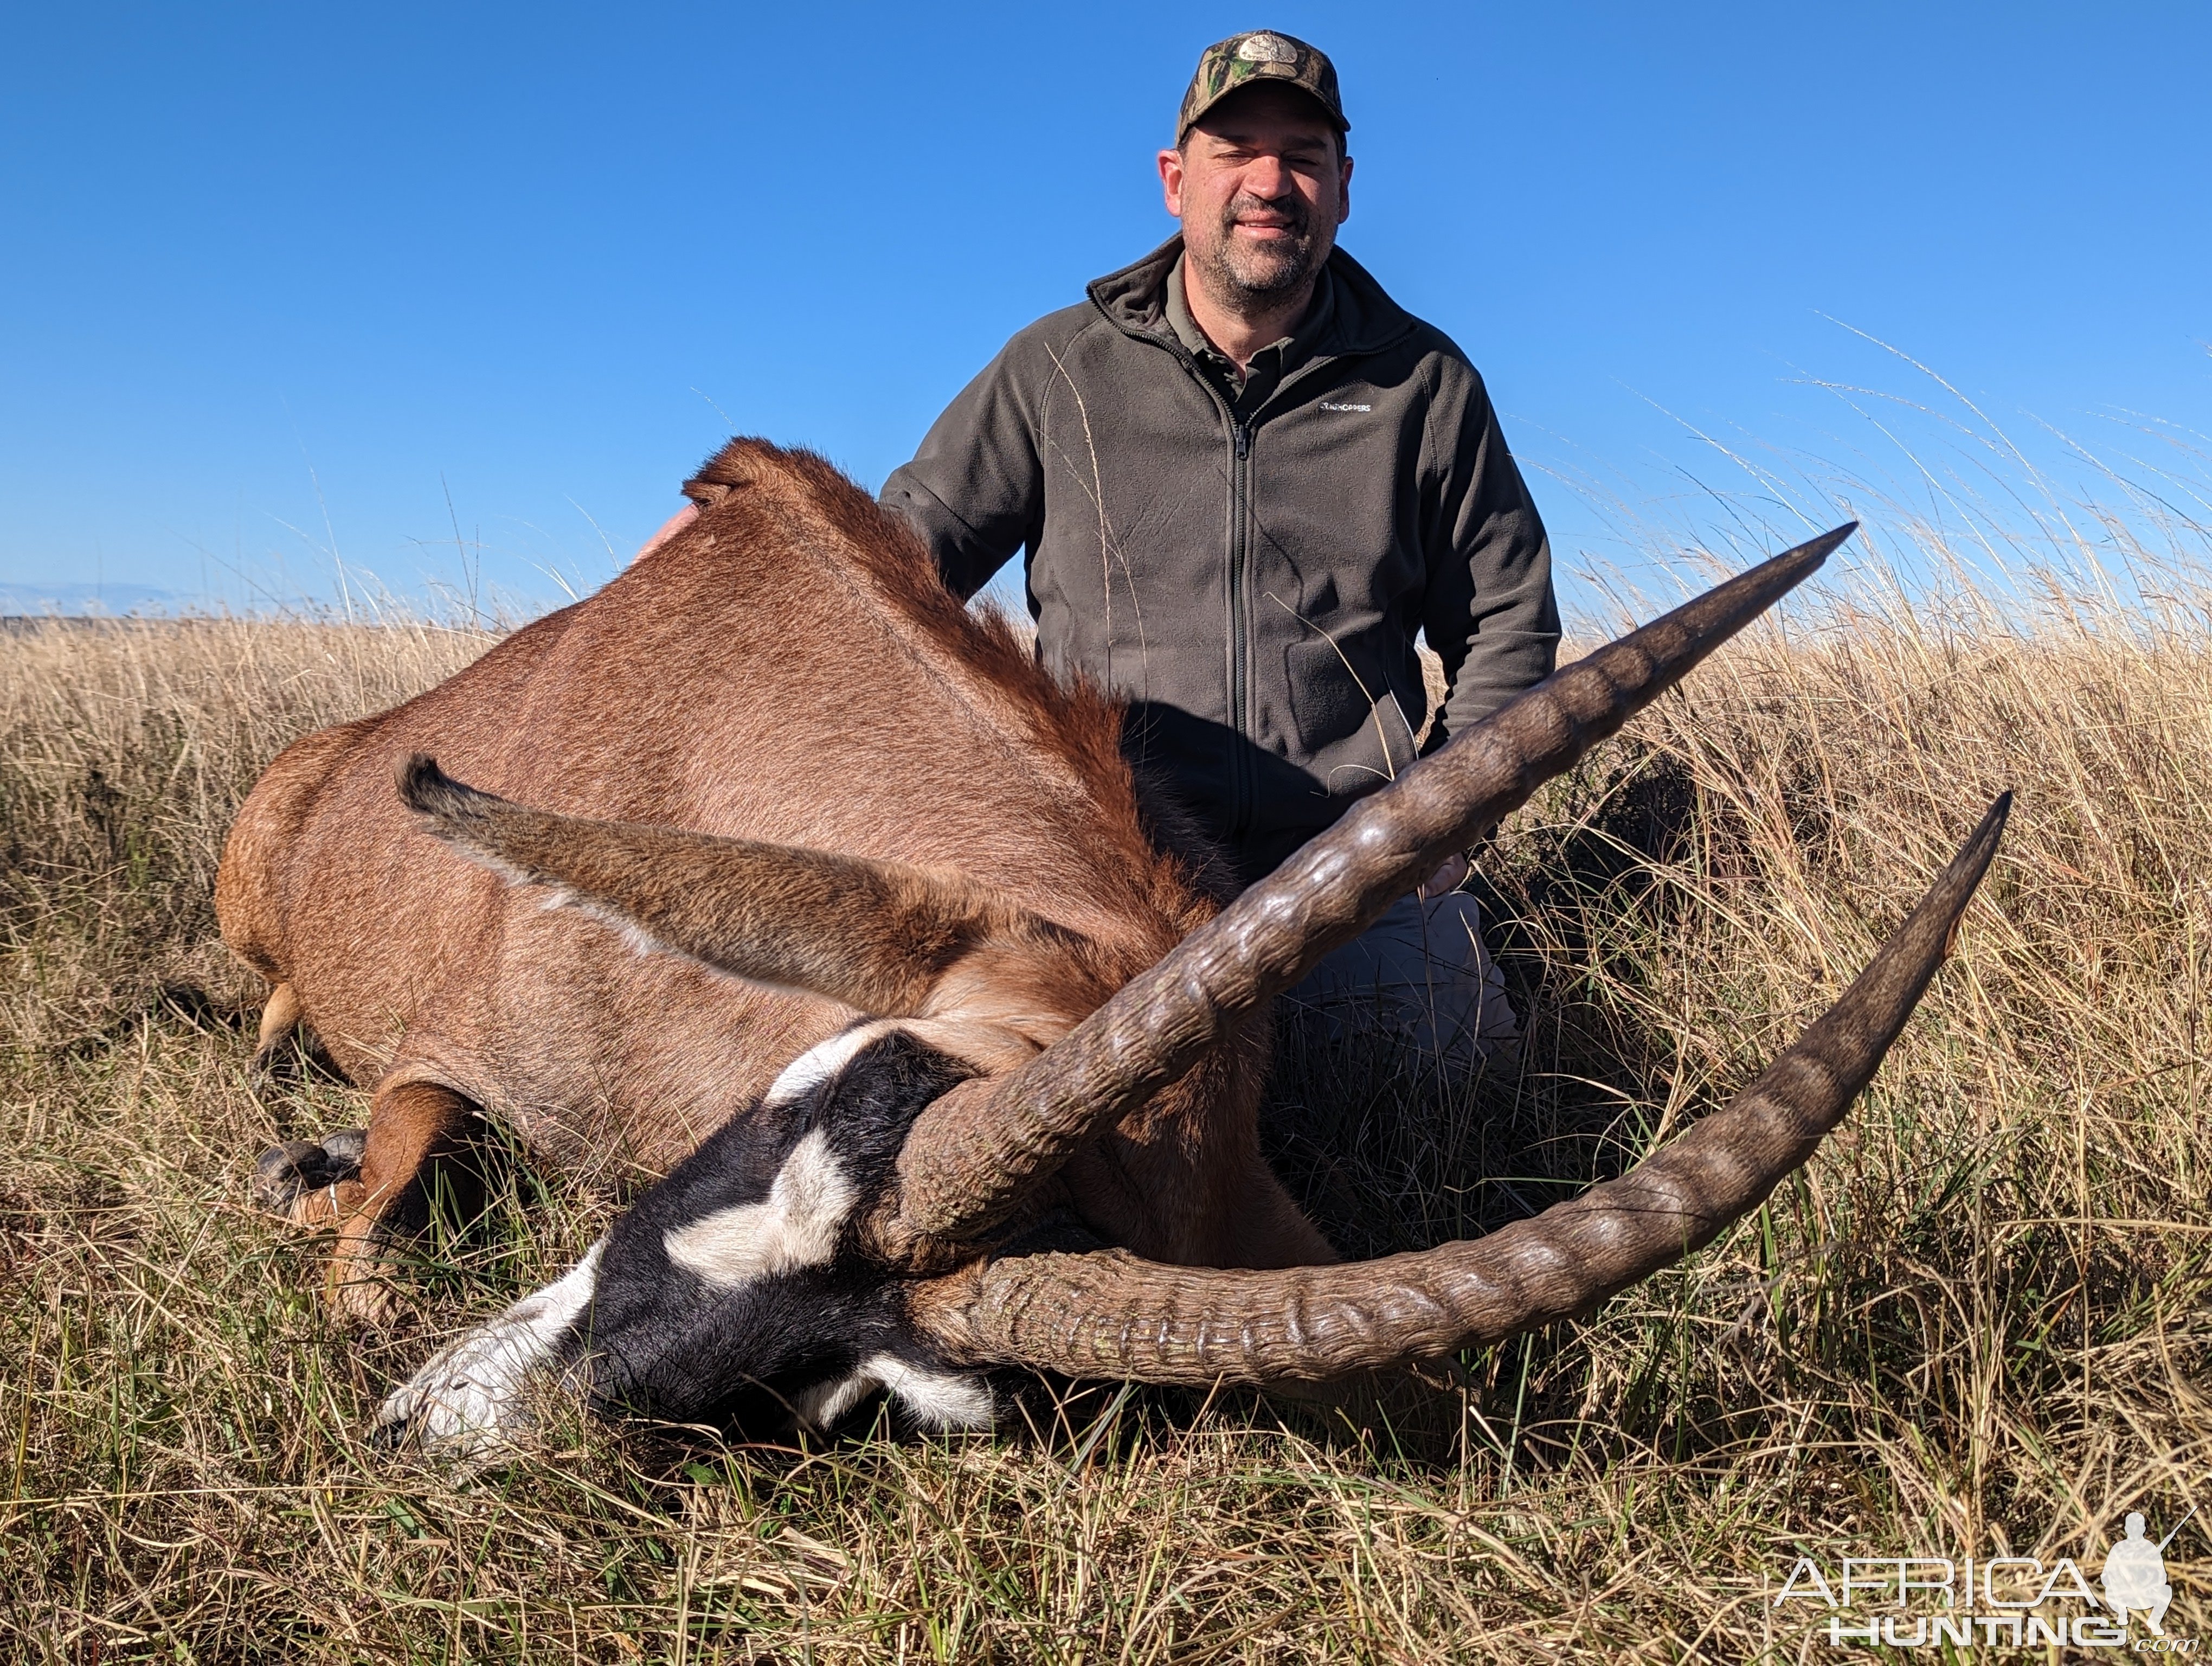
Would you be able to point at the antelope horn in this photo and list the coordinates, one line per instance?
(969, 1161)
(1111, 1315)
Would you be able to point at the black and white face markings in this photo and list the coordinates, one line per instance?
(735, 1290)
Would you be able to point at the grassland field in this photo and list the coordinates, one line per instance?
(1975, 1324)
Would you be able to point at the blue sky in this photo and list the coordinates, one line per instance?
(281, 280)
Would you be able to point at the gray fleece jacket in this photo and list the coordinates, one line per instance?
(1249, 565)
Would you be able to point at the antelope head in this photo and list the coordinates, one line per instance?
(882, 1218)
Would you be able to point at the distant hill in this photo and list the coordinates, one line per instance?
(35, 598)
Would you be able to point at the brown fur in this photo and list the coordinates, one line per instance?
(881, 937)
(787, 670)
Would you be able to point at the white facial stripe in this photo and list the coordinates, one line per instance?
(476, 1388)
(938, 1402)
(819, 1062)
(797, 1226)
(822, 1405)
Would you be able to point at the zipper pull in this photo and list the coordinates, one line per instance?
(1244, 441)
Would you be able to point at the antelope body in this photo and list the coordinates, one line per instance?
(782, 875)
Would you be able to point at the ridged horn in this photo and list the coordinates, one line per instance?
(968, 1165)
(875, 936)
(1110, 1315)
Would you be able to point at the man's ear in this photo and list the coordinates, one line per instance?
(1171, 178)
(1343, 190)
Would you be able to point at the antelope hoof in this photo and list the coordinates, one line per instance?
(285, 1173)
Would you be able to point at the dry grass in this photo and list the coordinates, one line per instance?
(1978, 1324)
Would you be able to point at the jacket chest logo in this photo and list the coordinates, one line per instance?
(1341, 405)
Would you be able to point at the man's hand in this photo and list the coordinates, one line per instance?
(1445, 879)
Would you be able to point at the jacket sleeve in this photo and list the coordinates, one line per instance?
(975, 490)
(1489, 611)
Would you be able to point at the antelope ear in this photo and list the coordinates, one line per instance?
(882, 937)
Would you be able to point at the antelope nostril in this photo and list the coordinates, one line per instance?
(390, 1437)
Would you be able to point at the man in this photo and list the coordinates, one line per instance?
(1245, 479)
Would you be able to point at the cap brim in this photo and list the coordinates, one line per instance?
(1262, 79)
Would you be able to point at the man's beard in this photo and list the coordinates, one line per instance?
(1251, 277)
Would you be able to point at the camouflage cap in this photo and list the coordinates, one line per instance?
(1262, 55)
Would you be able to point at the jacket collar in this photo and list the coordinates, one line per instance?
(1364, 319)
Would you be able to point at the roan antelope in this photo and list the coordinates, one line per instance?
(828, 906)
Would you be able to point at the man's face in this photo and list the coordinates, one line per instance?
(1260, 190)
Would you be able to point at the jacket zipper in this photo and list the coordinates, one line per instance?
(1240, 647)
(1241, 784)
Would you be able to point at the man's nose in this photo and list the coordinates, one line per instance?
(1267, 178)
